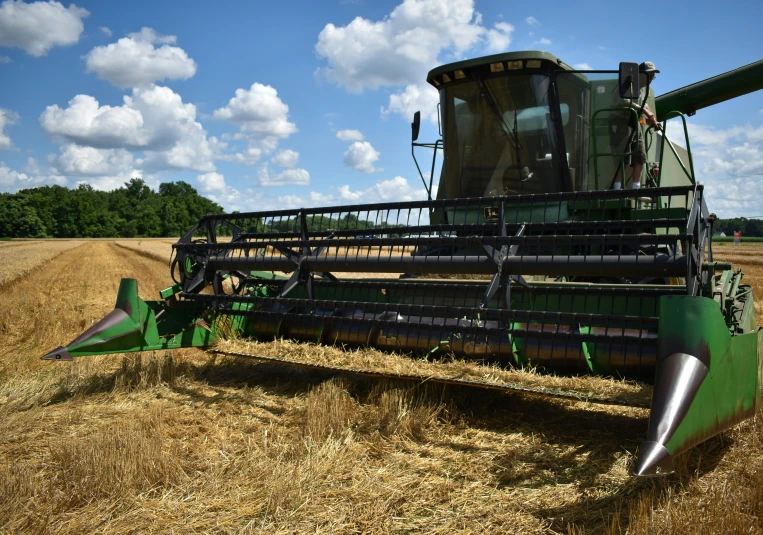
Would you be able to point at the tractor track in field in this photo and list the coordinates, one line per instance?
(58, 299)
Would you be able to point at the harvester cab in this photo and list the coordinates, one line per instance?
(527, 123)
(526, 256)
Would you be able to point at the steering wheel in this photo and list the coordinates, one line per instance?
(498, 192)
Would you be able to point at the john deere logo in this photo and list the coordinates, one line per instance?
(491, 214)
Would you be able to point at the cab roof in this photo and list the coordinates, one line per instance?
(547, 61)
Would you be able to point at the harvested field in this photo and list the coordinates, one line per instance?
(187, 442)
(750, 259)
(19, 258)
(161, 249)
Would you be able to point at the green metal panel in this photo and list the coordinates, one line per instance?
(706, 381)
(506, 56)
(712, 91)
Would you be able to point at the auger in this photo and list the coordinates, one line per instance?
(526, 256)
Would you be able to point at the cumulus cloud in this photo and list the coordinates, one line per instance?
(393, 190)
(39, 26)
(7, 117)
(154, 120)
(532, 21)
(86, 122)
(248, 156)
(361, 157)
(111, 182)
(32, 167)
(415, 97)
(286, 158)
(105, 31)
(400, 48)
(211, 182)
(583, 67)
(214, 187)
(88, 161)
(136, 60)
(260, 114)
(499, 38)
(349, 135)
(729, 162)
(12, 181)
(294, 177)
(544, 41)
(5, 59)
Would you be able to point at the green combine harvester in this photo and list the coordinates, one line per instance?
(526, 256)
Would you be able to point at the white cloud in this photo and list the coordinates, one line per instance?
(85, 122)
(393, 190)
(400, 48)
(7, 117)
(88, 161)
(294, 177)
(291, 201)
(39, 26)
(415, 97)
(214, 187)
(249, 156)
(105, 31)
(499, 39)
(154, 120)
(5, 59)
(729, 162)
(9, 177)
(260, 114)
(286, 158)
(109, 182)
(349, 135)
(361, 157)
(532, 21)
(583, 67)
(12, 181)
(545, 41)
(32, 167)
(211, 182)
(134, 60)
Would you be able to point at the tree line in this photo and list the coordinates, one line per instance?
(134, 210)
(748, 227)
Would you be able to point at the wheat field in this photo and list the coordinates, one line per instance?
(187, 442)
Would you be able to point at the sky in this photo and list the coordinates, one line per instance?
(270, 105)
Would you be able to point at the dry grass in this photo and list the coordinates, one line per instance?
(188, 443)
(19, 258)
(161, 249)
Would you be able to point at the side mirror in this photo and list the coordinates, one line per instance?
(415, 125)
(627, 80)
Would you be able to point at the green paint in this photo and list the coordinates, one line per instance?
(731, 390)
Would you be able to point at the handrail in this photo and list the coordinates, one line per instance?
(436, 145)
(691, 175)
(596, 154)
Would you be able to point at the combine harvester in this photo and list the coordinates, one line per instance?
(526, 257)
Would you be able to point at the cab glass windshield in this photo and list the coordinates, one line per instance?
(500, 137)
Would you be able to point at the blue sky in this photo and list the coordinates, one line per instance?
(284, 104)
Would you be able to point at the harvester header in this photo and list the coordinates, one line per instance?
(526, 257)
